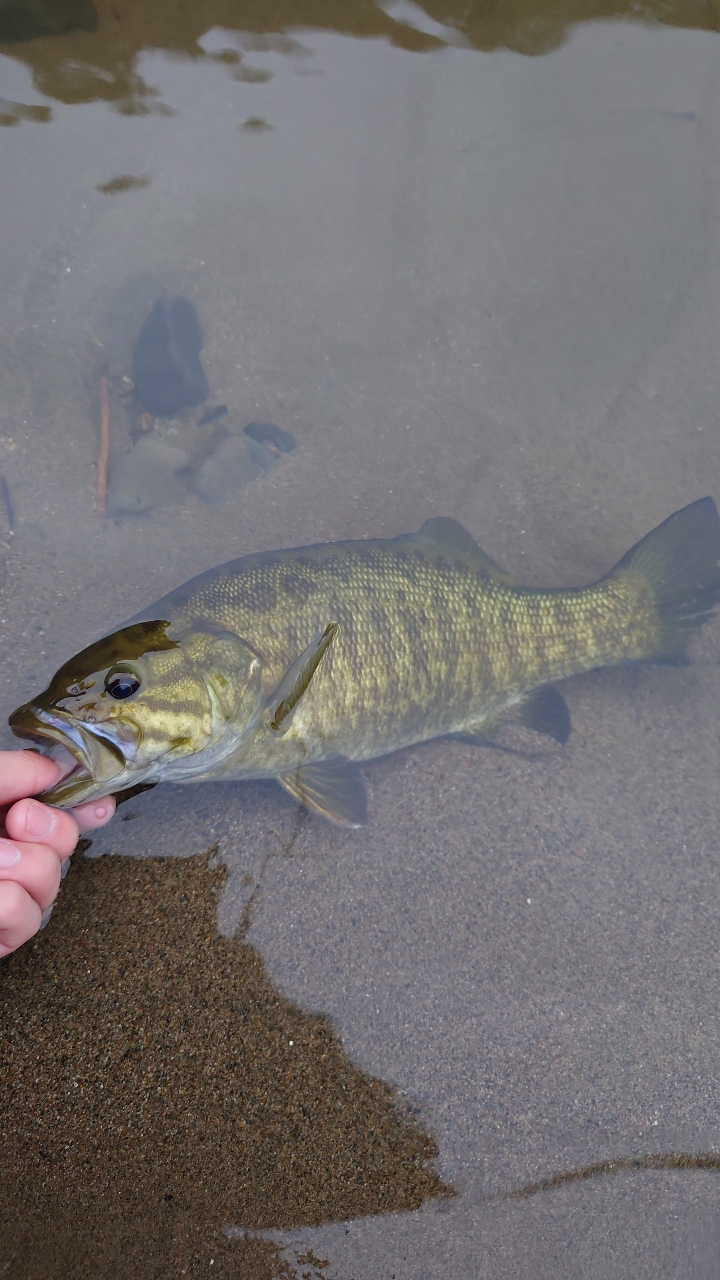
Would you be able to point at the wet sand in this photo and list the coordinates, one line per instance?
(156, 1088)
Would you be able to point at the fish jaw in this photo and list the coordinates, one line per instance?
(101, 766)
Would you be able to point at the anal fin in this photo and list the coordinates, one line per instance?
(334, 788)
(546, 711)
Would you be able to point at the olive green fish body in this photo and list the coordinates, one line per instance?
(424, 647)
(287, 664)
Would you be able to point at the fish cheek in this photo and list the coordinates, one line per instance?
(230, 669)
(171, 713)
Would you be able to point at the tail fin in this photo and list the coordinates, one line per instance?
(680, 560)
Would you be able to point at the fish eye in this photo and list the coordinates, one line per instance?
(121, 683)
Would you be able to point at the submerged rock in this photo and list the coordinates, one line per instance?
(166, 368)
(232, 465)
(210, 415)
(145, 478)
(264, 432)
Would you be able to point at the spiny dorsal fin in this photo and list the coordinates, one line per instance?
(450, 538)
(334, 788)
(297, 678)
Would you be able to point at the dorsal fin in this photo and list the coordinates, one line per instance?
(450, 538)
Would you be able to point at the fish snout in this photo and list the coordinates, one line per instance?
(96, 761)
(27, 722)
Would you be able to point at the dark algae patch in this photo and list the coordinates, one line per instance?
(156, 1088)
(123, 182)
(211, 415)
(268, 433)
(166, 369)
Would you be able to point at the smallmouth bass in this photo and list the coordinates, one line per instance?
(299, 664)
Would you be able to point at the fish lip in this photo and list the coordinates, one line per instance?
(31, 721)
(55, 727)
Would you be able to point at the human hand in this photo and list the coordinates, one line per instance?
(34, 841)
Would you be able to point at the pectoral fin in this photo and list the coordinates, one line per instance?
(334, 788)
(297, 678)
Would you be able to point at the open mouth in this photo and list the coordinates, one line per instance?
(88, 760)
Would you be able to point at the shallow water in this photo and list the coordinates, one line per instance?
(470, 259)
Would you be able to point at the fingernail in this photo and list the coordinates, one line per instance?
(9, 853)
(40, 821)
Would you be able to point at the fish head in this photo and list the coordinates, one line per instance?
(152, 701)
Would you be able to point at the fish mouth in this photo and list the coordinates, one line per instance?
(99, 761)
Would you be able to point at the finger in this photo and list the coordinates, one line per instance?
(20, 916)
(95, 814)
(33, 821)
(33, 866)
(25, 773)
